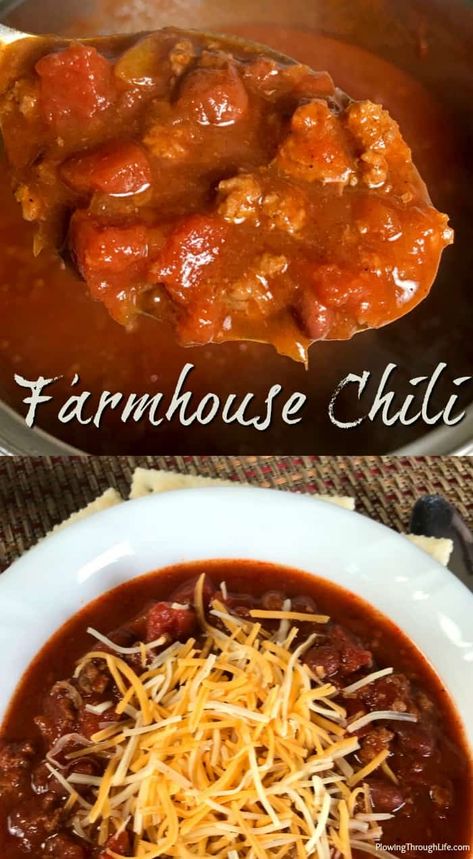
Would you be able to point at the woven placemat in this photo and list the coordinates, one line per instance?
(37, 493)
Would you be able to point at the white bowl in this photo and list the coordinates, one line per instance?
(64, 572)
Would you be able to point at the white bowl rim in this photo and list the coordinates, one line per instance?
(89, 557)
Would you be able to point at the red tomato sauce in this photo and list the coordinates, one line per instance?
(233, 194)
(35, 338)
(430, 795)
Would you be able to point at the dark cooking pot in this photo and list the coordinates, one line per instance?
(432, 40)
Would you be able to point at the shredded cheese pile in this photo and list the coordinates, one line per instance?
(230, 748)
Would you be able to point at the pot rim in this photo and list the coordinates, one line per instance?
(16, 439)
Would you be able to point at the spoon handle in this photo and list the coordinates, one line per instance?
(9, 35)
(434, 516)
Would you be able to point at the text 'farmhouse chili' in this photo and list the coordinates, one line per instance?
(228, 193)
(254, 705)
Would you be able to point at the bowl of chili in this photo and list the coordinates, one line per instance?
(379, 632)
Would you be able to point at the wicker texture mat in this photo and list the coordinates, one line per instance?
(39, 492)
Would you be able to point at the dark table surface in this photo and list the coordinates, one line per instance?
(37, 493)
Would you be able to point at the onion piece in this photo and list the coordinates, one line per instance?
(370, 678)
(67, 787)
(394, 715)
(71, 690)
(98, 709)
(61, 743)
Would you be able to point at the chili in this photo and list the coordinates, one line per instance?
(231, 195)
(426, 790)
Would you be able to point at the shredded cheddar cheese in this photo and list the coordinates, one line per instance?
(289, 615)
(228, 747)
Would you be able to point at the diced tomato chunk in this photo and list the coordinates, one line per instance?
(163, 619)
(323, 660)
(337, 286)
(185, 592)
(89, 723)
(354, 656)
(118, 169)
(107, 249)
(201, 321)
(214, 96)
(340, 654)
(377, 220)
(75, 84)
(190, 249)
(119, 844)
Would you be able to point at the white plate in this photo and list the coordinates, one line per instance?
(52, 581)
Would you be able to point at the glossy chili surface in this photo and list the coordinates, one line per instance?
(429, 796)
(49, 325)
(230, 195)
